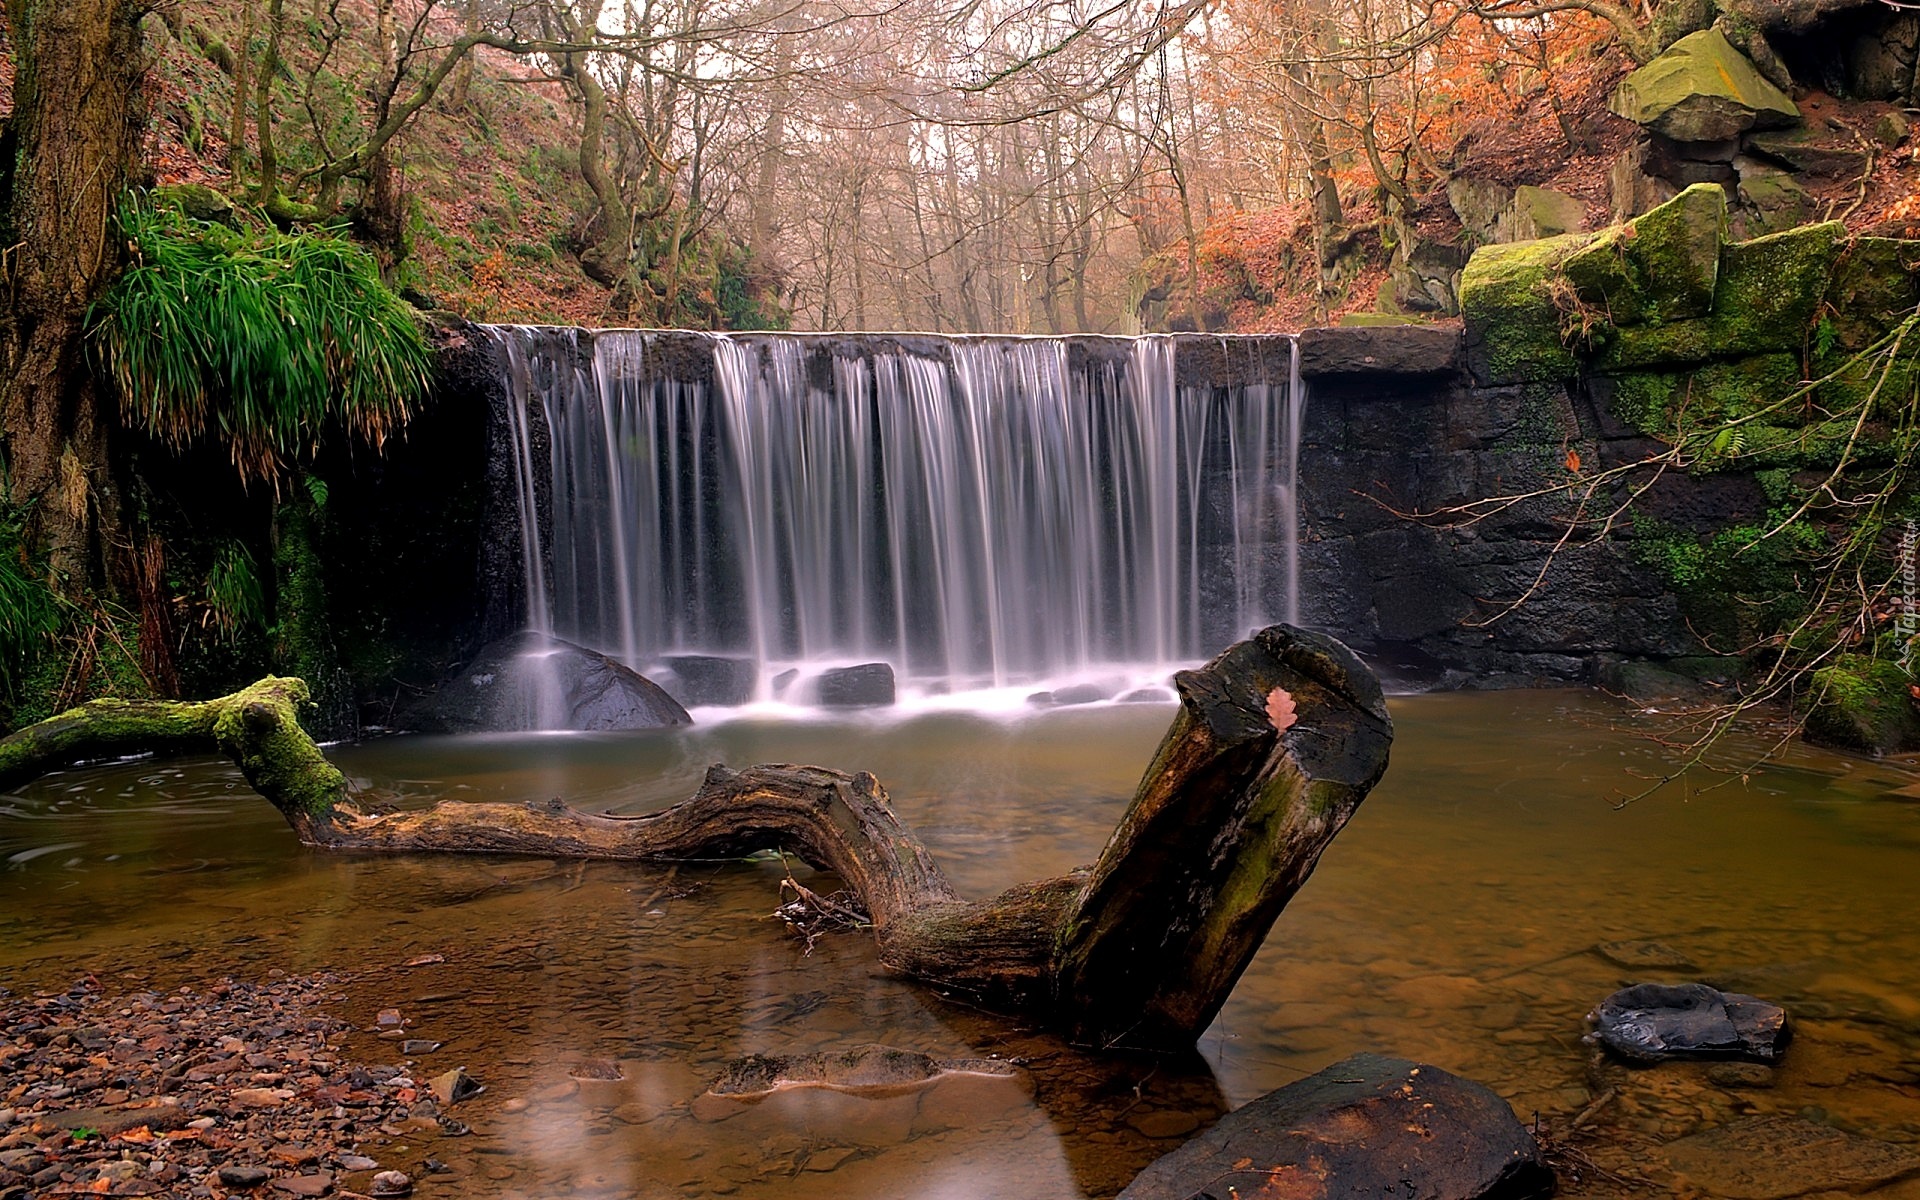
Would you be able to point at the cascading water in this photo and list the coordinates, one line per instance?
(980, 512)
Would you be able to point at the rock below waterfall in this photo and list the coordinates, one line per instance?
(1653, 1022)
(1367, 1126)
(869, 685)
(708, 679)
(533, 681)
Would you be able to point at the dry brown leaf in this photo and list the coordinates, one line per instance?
(1281, 709)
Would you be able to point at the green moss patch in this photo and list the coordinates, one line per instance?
(1863, 704)
(1513, 324)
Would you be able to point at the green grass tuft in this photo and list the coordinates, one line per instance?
(259, 338)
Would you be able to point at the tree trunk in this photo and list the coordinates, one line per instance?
(1277, 742)
(70, 148)
(242, 92)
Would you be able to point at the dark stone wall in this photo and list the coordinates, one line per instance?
(419, 573)
(1431, 599)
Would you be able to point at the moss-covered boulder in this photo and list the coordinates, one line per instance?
(1770, 288)
(1772, 202)
(1479, 203)
(1538, 212)
(1513, 323)
(1702, 90)
(1865, 705)
(1662, 266)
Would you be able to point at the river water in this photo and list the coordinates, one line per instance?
(1455, 921)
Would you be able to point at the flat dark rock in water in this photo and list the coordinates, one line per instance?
(868, 685)
(709, 679)
(870, 1068)
(1654, 1022)
(1773, 1158)
(1367, 1126)
(534, 681)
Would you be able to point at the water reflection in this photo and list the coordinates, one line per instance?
(1454, 920)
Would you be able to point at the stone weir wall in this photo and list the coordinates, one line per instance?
(1396, 426)
(1397, 432)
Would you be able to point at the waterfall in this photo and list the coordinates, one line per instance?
(979, 512)
(1296, 417)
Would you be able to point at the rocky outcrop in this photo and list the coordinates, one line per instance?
(1662, 292)
(1703, 90)
(1538, 212)
(1366, 1126)
(532, 681)
(1652, 1022)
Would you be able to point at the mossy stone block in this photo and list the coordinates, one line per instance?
(1539, 212)
(1764, 303)
(1775, 202)
(1876, 283)
(1656, 402)
(1512, 323)
(1887, 382)
(197, 200)
(1676, 250)
(1604, 279)
(1863, 704)
(1771, 287)
(1702, 90)
(1660, 267)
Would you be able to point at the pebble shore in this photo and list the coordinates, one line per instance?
(229, 1089)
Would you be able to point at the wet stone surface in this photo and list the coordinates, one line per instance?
(1651, 1022)
(1773, 1158)
(1366, 1126)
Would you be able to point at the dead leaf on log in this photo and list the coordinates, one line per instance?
(1281, 709)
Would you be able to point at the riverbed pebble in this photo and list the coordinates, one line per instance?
(202, 1091)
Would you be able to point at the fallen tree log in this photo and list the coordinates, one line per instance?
(1277, 741)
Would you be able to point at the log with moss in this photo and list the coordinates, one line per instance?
(1276, 743)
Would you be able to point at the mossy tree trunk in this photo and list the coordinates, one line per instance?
(258, 727)
(1277, 741)
(69, 150)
